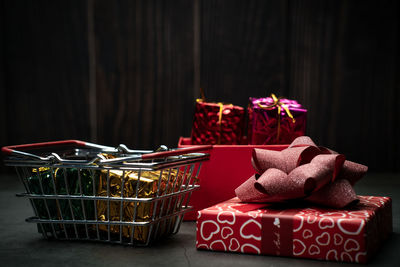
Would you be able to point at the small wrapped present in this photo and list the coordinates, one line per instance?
(127, 183)
(62, 181)
(217, 123)
(316, 212)
(275, 120)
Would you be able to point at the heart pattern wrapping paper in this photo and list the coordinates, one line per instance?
(349, 235)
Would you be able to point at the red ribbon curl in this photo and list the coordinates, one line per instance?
(302, 171)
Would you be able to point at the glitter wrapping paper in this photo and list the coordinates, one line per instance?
(349, 235)
(266, 126)
(217, 123)
(302, 171)
(148, 187)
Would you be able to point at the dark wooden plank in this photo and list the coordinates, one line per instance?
(369, 75)
(3, 100)
(343, 61)
(92, 91)
(45, 69)
(242, 49)
(314, 34)
(144, 56)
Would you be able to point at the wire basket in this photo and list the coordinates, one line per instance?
(85, 191)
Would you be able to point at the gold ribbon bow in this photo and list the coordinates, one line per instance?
(277, 103)
(221, 109)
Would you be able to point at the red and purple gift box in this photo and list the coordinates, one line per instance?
(350, 235)
(275, 120)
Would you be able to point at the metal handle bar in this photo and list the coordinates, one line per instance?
(136, 154)
(162, 154)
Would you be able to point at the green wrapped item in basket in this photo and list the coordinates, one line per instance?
(62, 181)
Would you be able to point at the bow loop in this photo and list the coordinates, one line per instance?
(302, 171)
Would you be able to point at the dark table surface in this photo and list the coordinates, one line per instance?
(22, 245)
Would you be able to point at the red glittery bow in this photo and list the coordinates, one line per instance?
(302, 171)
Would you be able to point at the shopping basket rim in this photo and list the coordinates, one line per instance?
(123, 158)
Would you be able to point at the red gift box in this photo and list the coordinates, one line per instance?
(350, 235)
(217, 123)
(229, 166)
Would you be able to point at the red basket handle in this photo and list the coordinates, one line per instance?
(8, 150)
(21, 150)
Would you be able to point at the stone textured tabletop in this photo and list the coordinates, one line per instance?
(22, 245)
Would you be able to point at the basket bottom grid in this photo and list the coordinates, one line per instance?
(128, 233)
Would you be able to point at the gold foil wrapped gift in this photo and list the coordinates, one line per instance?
(149, 186)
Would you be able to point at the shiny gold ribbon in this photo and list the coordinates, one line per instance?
(277, 103)
(221, 109)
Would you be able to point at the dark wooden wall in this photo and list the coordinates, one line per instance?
(128, 71)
